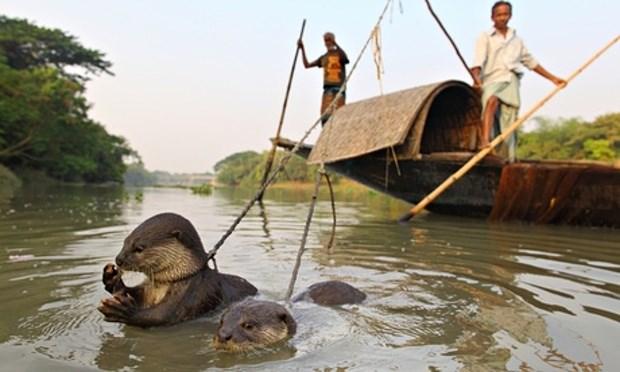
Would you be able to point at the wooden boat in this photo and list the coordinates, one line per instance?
(406, 143)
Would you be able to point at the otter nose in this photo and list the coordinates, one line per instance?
(120, 260)
(224, 336)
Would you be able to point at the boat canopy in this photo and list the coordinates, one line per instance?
(440, 117)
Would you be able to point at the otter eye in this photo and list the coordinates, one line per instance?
(139, 247)
(247, 326)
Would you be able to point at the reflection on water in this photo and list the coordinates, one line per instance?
(443, 293)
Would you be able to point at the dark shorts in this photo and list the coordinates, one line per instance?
(329, 93)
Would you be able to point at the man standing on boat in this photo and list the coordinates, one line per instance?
(333, 64)
(496, 69)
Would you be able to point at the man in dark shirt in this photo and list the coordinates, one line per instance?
(334, 74)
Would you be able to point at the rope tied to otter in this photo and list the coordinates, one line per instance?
(211, 254)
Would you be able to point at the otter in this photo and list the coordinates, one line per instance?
(331, 293)
(180, 285)
(251, 324)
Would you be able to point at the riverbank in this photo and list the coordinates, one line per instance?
(9, 182)
(12, 180)
(345, 191)
(344, 187)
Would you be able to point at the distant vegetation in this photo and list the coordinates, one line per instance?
(136, 175)
(573, 139)
(44, 120)
(204, 189)
(246, 169)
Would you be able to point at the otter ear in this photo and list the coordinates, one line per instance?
(177, 234)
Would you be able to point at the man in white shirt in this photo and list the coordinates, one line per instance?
(497, 71)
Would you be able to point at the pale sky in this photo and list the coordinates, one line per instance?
(196, 81)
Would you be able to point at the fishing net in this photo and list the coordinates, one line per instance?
(558, 193)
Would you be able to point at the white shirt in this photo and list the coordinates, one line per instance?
(499, 57)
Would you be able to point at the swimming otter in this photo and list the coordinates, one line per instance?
(251, 324)
(180, 285)
(331, 293)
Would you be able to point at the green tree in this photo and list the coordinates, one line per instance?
(137, 175)
(234, 168)
(576, 139)
(235, 159)
(24, 45)
(600, 149)
(246, 169)
(44, 121)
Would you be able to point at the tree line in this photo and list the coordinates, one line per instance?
(44, 116)
(246, 169)
(551, 139)
(572, 139)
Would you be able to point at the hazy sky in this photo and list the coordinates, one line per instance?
(198, 80)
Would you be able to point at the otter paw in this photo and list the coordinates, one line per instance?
(111, 278)
(118, 308)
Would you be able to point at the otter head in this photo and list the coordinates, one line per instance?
(251, 324)
(165, 247)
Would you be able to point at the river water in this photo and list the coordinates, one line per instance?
(444, 293)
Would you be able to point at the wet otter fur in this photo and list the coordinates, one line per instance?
(252, 324)
(331, 293)
(180, 285)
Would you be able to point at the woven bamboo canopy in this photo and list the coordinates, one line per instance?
(440, 117)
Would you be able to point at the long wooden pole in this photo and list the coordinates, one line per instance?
(272, 153)
(465, 168)
(331, 198)
(456, 49)
(304, 237)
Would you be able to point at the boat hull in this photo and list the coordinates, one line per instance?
(552, 192)
(412, 180)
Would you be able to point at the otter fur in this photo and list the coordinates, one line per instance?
(179, 286)
(252, 324)
(331, 293)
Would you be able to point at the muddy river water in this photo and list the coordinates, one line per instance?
(444, 293)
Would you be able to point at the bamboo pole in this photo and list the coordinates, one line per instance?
(456, 49)
(304, 237)
(331, 197)
(467, 166)
(272, 153)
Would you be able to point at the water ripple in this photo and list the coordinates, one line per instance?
(443, 293)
